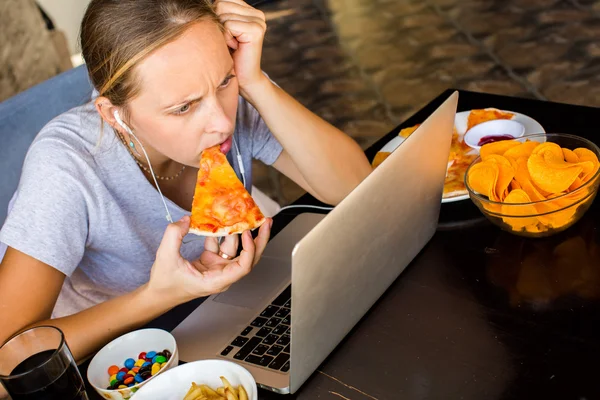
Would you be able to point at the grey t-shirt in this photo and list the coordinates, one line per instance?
(84, 207)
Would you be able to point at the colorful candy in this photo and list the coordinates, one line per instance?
(129, 363)
(113, 369)
(138, 370)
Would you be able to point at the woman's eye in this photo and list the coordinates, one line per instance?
(183, 109)
(227, 80)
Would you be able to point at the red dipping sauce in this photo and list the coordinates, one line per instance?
(493, 138)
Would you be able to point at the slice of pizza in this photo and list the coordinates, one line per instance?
(222, 205)
(486, 114)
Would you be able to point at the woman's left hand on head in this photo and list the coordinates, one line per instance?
(245, 29)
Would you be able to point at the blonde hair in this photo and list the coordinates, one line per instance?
(116, 35)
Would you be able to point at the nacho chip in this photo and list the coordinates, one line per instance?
(379, 158)
(406, 132)
(487, 114)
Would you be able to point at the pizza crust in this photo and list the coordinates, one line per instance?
(229, 230)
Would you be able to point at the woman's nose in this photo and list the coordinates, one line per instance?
(219, 121)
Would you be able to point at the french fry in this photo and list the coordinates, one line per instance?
(227, 384)
(190, 391)
(195, 394)
(231, 394)
(242, 393)
(225, 392)
(210, 394)
(208, 390)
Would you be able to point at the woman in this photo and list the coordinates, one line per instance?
(89, 249)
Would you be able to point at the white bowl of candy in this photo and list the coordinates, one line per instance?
(130, 361)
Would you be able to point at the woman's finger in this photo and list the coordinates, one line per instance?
(232, 7)
(211, 244)
(229, 246)
(226, 19)
(246, 258)
(230, 40)
(172, 238)
(264, 232)
(244, 31)
(223, 275)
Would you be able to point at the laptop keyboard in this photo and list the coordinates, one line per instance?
(266, 341)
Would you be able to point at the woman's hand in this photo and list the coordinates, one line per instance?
(245, 29)
(179, 280)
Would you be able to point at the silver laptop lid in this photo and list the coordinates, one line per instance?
(342, 266)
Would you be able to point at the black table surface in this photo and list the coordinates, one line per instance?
(479, 313)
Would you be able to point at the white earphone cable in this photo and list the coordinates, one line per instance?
(120, 122)
(162, 197)
(324, 208)
(239, 160)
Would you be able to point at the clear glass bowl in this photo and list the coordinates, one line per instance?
(546, 217)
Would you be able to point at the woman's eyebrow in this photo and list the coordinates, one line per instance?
(192, 99)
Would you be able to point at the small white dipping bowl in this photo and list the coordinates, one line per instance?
(127, 346)
(495, 127)
(175, 383)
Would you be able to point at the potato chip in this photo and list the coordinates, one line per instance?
(483, 177)
(561, 218)
(570, 156)
(576, 184)
(506, 174)
(524, 180)
(550, 176)
(549, 147)
(587, 155)
(499, 147)
(518, 219)
(521, 150)
(534, 187)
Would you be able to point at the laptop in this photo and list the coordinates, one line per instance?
(320, 275)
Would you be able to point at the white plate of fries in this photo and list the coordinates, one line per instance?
(201, 380)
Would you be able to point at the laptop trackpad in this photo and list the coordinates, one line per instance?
(259, 286)
(274, 268)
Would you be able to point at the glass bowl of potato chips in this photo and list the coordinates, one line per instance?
(537, 185)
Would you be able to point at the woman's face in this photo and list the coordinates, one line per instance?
(188, 96)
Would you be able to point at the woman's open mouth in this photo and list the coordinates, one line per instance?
(226, 145)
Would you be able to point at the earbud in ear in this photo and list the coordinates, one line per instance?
(120, 122)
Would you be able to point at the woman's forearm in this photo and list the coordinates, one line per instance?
(87, 331)
(330, 161)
